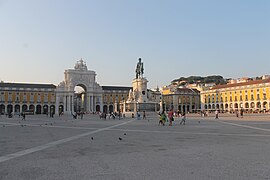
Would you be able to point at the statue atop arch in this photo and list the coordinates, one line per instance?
(139, 69)
(80, 65)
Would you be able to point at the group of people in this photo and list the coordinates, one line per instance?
(169, 117)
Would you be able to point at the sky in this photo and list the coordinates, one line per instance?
(40, 39)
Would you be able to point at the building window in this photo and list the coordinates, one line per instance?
(246, 98)
(32, 97)
(252, 97)
(264, 96)
(235, 98)
(241, 98)
(46, 98)
(230, 98)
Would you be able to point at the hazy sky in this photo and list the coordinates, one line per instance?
(39, 39)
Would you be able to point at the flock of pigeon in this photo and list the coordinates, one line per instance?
(120, 138)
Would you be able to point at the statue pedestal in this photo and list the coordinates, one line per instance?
(140, 90)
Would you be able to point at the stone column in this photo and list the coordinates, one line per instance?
(57, 104)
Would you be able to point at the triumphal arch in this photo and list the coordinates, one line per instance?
(89, 99)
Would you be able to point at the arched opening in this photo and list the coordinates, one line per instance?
(246, 105)
(258, 105)
(209, 107)
(80, 98)
(45, 109)
(184, 108)
(24, 108)
(52, 110)
(264, 105)
(222, 107)
(17, 109)
(110, 108)
(105, 109)
(226, 106)
(188, 108)
(241, 105)
(38, 109)
(9, 109)
(32, 108)
(252, 105)
(2, 109)
(97, 108)
(179, 108)
(61, 109)
(205, 106)
(213, 106)
(236, 106)
(217, 106)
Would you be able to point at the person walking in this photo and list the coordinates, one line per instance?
(183, 121)
(144, 115)
(23, 116)
(170, 116)
(216, 113)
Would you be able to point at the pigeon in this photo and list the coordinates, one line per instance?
(125, 134)
(51, 124)
(92, 138)
(120, 139)
(22, 125)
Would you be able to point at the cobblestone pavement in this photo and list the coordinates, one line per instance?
(43, 148)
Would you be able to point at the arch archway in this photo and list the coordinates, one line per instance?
(188, 108)
(9, 108)
(52, 109)
(17, 109)
(235, 106)
(252, 105)
(24, 108)
(45, 109)
(258, 105)
(32, 108)
(105, 109)
(97, 108)
(80, 98)
(110, 108)
(38, 109)
(60, 109)
(2, 109)
(246, 105)
(180, 108)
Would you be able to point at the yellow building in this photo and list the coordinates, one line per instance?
(252, 96)
(33, 98)
(113, 96)
(180, 99)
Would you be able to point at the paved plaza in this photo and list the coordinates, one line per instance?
(43, 148)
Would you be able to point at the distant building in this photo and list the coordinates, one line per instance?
(180, 99)
(22, 97)
(252, 96)
(50, 99)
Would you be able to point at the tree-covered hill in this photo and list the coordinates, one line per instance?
(217, 79)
